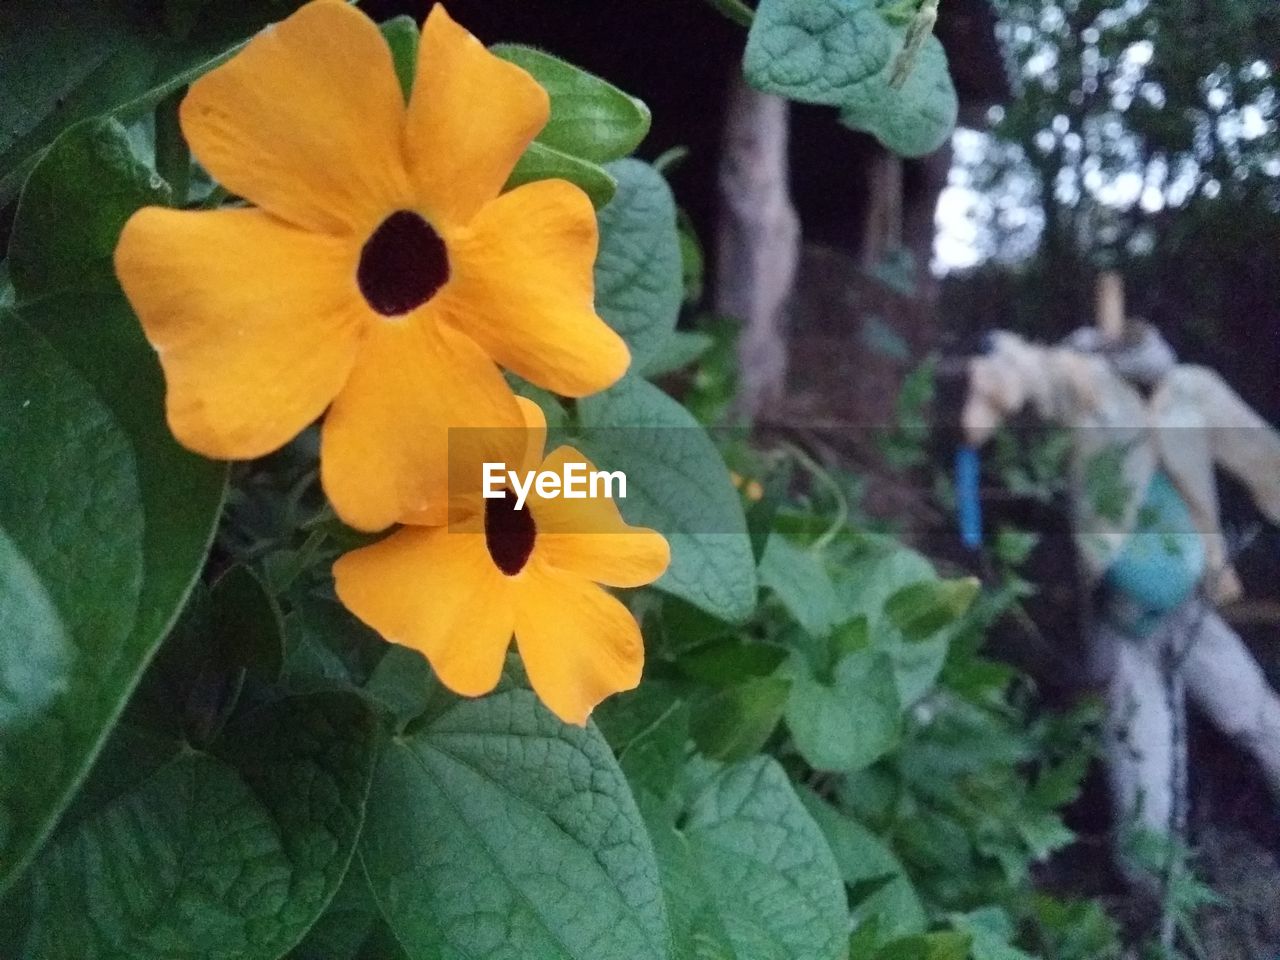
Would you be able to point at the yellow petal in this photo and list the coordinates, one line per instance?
(438, 593)
(522, 287)
(254, 327)
(471, 116)
(535, 425)
(306, 121)
(388, 447)
(470, 448)
(589, 537)
(579, 644)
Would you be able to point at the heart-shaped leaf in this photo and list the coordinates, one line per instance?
(496, 831)
(677, 484)
(99, 505)
(590, 117)
(227, 853)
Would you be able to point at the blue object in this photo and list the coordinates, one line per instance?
(1161, 563)
(968, 506)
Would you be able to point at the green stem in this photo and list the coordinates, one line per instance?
(735, 10)
(819, 473)
(303, 559)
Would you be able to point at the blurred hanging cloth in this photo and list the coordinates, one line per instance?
(1147, 435)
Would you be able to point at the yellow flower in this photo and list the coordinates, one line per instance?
(379, 274)
(457, 593)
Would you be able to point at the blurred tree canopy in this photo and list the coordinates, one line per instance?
(1142, 135)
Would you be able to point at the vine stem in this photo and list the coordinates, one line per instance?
(735, 10)
(820, 473)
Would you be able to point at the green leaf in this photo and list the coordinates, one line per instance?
(799, 579)
(67, 61)
(992, 931)
(850, 723)
(817, 51)
(494, 830)
(639, 274)
(864, 585)
(224, 634)
(723, 663)
(107, 513)
(351, 927)
(863, 858)
(677, 484)
(577, 103)
(404, 684)
(678, 351)
(917, 118)
(540, 162)
(748, 874)
(840, 53)
(693, 259)
(325, 645)
(734, 723)
(735, 10)
(697, 927)
(230, 853)
(922, 609)
(944, 945)
(590, 118)
(401, 34)
(73, 208)
(681, 629)
(648, 729)
(248, 628)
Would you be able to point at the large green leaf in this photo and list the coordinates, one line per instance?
(639, 275)
(591, 122)
(98, 504)
(921, 609)
(66, 61)
(590, 117)
(799, 579)
(840, 53)
(879, 569)
(817, 51)
(735, 722)
(495, 831)
(916, 118)
(852, 721)
(541, 162)
(351, 928)
(73, 207)
(678, 484)
(227, 853)
(747, 872)
(868, 865)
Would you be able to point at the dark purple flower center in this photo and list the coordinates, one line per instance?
(402, 264)
(508, 533)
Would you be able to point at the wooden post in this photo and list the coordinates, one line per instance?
(882, 233)
(1109, 306)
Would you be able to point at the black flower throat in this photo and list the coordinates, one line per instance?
(402, 264)
(508, 533)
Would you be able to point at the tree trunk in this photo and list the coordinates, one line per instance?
(758, 241)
